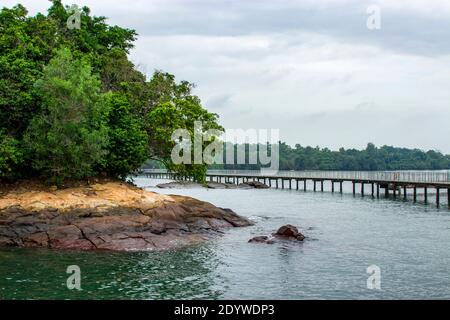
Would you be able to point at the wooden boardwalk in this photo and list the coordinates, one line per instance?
(373, 183)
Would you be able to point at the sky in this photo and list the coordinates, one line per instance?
(311, 68)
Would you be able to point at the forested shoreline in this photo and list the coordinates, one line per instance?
(371, 158)
(73, 106)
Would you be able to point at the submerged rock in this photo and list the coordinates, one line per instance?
(218, 185)
(212, 185)
(262, 239)
(287, 232)
(255, 184)
(179, 185)
(110, 216)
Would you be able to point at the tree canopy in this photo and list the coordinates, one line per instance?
(72, 104)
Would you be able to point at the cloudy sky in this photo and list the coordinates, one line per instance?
(310, 68)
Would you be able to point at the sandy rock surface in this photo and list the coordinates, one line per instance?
(111, 215)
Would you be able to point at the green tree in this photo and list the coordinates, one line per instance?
(128, 142)
(68, 139)
(26, 45)
(10, 155)
(176, 108)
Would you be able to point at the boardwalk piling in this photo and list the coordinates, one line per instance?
(438, 197)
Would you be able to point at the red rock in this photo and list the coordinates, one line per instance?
(289, 231)
(114, 217)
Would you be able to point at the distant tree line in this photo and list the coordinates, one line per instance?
(369, 159)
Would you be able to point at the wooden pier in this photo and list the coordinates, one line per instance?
(374, 183)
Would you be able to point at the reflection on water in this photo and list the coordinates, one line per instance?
(345, 235)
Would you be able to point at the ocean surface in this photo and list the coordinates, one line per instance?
(408, 243)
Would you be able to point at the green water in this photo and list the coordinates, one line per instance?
(345, 235)
(38, 274)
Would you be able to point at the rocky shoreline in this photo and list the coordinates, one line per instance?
(109, 215)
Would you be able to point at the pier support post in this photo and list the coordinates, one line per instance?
(332, 186)
(415, 194)
(405, 192)
(438, 196)
(395, 191)
(314, 185)
(378, 190)
(282, 183)
(321, 186)
(296, 180)
(425, 194)
(304, 185)
(354, 187)
(362, 189)
(340, 186)
(276, 181)
(290, 184)
(373, 190)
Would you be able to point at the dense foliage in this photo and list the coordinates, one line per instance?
(371, 158)
(73, 106)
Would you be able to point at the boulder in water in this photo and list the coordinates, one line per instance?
(289, 231)
(286, 232)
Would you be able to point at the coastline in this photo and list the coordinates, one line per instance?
(107, 215)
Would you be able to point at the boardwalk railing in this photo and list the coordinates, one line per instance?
(388, 176)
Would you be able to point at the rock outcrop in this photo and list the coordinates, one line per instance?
(287, 232)
(254, 184)
(110, 216)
